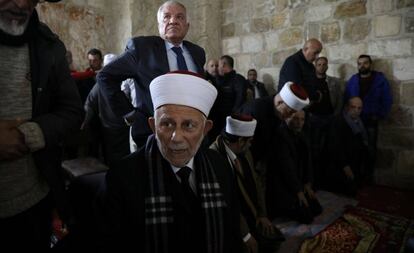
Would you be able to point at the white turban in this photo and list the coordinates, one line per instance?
(290, 96)
(183, 89)
(108, 58)
(239, 127)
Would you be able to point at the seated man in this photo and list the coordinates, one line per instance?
(289, 188)
(172, 195)
(233, 144)
(255, 89)
(270, 113)
(349, 156)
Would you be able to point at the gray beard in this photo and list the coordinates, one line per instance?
(12, 27)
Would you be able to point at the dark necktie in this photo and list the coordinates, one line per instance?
(180, 58)
(184, 174)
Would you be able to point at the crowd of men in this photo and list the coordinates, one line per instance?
(216, 157)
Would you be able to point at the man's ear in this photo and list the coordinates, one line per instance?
(208, 126)
(151, 123)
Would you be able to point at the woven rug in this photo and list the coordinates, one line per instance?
(295, 233)
(362, 230)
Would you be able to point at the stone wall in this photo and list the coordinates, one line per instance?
(107, 24)
(261, 34)
(83, 25)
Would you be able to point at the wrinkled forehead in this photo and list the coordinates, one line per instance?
(172, 8)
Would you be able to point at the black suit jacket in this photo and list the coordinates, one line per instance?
(57, 107)
(298, 70)
(124, 204)
(260, 88)
(291, 170)
(144, 59)
(345, 149)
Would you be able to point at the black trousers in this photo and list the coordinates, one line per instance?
(31, 229)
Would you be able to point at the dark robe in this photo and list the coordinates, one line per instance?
(124, 227)
(284, 182)
(345, 148)
(231, 95)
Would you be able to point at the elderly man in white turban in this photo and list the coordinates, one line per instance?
(291, 192)
(257, 231)
(270, 113)
(172, 196)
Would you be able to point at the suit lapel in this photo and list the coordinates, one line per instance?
(194, 55)
(161, 53)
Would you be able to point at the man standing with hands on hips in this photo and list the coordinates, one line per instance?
(145, 58)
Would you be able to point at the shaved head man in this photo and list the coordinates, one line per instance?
(312, 49)
(299, 68)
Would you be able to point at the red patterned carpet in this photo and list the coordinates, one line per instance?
(363, 229)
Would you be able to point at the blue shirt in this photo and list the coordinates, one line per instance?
(172, 58)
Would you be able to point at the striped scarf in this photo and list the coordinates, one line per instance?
(159, 206)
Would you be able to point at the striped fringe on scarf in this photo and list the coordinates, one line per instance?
(159, 207)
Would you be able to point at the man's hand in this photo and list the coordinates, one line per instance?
(12, 144)
(252, 245)
(302, 199)
(265, 225)
(348, 173)
(308, 190)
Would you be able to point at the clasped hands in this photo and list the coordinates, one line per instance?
(12, 142)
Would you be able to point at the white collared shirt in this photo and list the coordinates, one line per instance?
(191, 178)
(172, 58)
